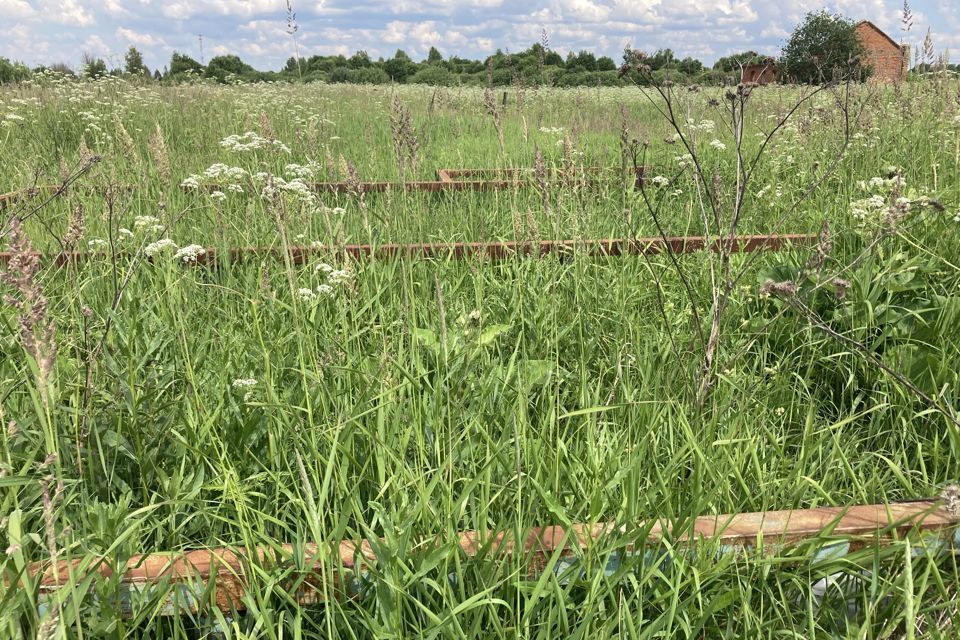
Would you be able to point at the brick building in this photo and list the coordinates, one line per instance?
(887, 59)
(764, 72)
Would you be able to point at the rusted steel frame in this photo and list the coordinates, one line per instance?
(450, 180)
(455, 175)
(431, 186)
(465, 250)
(315, 566)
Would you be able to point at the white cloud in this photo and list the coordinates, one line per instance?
(94, 44)
(239, 8)
(16, 9)
(66, 12)
(141, 39)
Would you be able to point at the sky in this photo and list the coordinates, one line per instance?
(48, 31)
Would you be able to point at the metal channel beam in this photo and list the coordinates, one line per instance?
(467, 250)
(192, 580)
(447, 180)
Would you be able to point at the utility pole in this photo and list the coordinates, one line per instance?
(200, 38)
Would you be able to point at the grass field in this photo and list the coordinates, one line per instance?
(150, 405)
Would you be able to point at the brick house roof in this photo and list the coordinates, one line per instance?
(881, 32)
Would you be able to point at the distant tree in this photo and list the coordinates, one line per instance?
(133, 63)
(662, 59)
(734, 62)
(369, 75)
(690, 66)
(400, 66)
(222, 66)
(180, 63)
(821, 47)
(317, 64)
(433, 75)
(605, 63)
(156, 75)
(465, 66)
(62, 67)
(339, 74)
(93, 67)
(13, 71)
(583, 61)
(552, 59)
(434, 56)
(359, 60)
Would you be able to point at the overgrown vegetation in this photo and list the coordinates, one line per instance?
(152, 404)
(823, 47)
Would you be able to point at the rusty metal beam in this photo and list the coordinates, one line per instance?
(466, 250)
(59, 190)
(447, 180)
(457, 180)
(322, 571)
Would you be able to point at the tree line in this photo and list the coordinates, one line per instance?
(822, 46)
(536, 66)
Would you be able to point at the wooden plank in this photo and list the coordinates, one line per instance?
(465, 250)
(330, 568)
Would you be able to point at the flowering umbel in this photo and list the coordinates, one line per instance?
(37, 329)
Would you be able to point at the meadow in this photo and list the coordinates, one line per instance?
(156, 405)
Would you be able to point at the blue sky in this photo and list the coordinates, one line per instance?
(46, 31)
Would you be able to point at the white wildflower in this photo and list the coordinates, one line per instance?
(297, 171)
(159, 246)
(189, 253)
(219, 196)
(244, 383)
(191, 182)
(97, 243)
(149, 223)
(339, 276)
(234, 188)
(684, 161)
(719, 146)
(306, 295)
(220, 170)
(706, 126)
(325, 290)
(251, 140)
(660, 181)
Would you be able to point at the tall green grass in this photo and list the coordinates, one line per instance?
(425, 397)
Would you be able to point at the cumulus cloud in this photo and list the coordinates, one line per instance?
(144, 40)
(49, 30)
(234, 8)
(94, 44)
(16, 9)
(66, 12)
